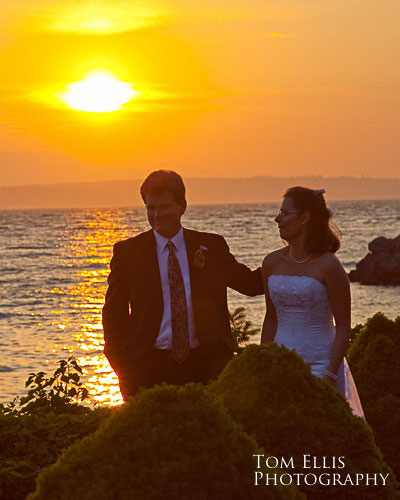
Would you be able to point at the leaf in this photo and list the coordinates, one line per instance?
(39, 378)
(75, 377)
(26, 399)
(77, 367)
(84, 393)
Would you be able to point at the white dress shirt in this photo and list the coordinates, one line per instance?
(164, 339)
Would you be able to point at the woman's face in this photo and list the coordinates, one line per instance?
(289, 220)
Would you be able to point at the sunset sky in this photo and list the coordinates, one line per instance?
(211, 88)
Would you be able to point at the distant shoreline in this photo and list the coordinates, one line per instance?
(139, 206)
(200, 191)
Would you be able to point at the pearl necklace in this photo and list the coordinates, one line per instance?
(299, 261)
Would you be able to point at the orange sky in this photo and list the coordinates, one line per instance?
(225, 88)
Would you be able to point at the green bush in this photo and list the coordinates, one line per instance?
(374, 361)
(35, 428)
(242, 329)
(30, 442)
(354, 333)
(168, 443)
(272, 393)
(60, 392)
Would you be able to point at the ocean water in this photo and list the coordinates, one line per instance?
(54, 266)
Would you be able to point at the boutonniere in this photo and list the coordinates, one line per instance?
(200, 257)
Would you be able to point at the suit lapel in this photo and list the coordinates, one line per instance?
(191, 247)
(150, 267)
(192, 244)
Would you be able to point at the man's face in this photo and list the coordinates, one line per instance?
(164, 213)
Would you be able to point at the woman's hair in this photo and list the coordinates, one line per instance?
(323, 234)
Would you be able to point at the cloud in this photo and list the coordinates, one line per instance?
(87, 17)
(105, 19)
(274, 34)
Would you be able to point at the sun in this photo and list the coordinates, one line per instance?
(98, 92)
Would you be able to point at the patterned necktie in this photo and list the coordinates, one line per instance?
(179, 311)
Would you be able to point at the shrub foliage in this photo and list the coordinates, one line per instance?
(374, 361)
(241, 328)
(272, 393)
(30, 442)
(36, 428)
(169, 443)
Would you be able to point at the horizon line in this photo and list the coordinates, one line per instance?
(130, 179)
(96, 207)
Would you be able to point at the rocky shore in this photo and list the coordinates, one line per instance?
(381, 266)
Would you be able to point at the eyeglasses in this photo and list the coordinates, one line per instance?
(286, 212)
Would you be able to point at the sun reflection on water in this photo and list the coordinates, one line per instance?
(91, 253)
(61, 285)
(100, 380)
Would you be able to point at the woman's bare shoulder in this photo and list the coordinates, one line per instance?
(274, 257)
(330, 263)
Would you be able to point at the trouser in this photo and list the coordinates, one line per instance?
(160, 367)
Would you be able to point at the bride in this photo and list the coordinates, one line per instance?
(306, 288)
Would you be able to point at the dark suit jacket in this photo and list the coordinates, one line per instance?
(134, 305)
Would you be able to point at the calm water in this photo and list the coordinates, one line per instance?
(54, 266)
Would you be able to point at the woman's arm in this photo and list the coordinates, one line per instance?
(270, 321)
(338, 286)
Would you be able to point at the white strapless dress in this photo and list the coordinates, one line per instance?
(305, 323)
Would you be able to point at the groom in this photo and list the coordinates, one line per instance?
(165, 316)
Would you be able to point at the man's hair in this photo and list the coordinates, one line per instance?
(160, 181)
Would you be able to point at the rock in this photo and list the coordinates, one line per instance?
(382, 265)
(383, 244)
